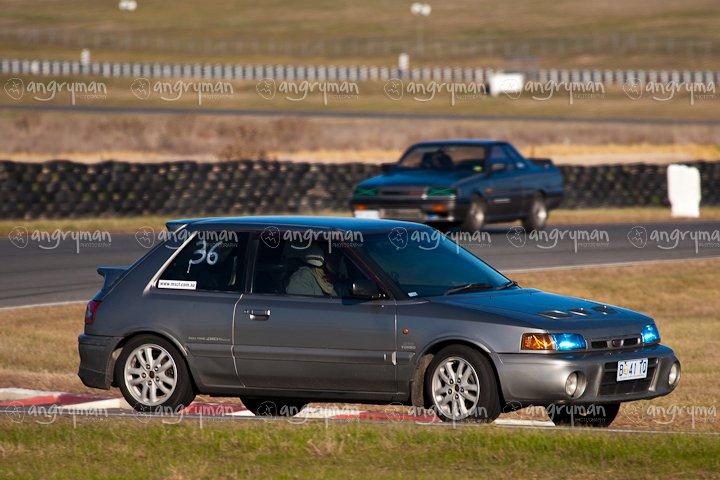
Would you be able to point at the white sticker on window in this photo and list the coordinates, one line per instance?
(178, 284)
(412, 294)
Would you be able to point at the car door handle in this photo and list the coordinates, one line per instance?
(258, 314)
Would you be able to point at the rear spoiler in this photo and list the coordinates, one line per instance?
(111, 275)
(542, 162)
(175, 225)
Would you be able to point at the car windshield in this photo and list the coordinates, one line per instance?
(426, 263)
(447, 157)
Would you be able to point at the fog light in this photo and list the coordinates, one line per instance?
(575, 385)
(571, 384)
(674, 374)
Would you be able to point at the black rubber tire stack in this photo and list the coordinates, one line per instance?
(63, 189)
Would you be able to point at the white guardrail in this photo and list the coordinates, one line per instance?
(226, 71)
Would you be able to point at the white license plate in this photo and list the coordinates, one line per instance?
(402, 213)
(632, 369)
(367, 213)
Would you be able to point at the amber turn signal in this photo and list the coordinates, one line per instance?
(537, 341)
(439, 208)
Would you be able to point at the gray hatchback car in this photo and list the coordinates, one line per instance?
(282, 311)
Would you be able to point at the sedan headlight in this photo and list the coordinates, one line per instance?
(366, 191)
(650, 334)
(561, 342)
(440, 192)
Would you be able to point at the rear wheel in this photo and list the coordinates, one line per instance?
(475, 217)
(595, 415)
(263, 407)
(152, 375)
(537, 218)
(460, 384)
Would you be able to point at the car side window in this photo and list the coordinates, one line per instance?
(211, 261)
(498, 154)
(517, 159)
(311, 269)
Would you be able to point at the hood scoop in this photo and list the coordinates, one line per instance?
(605, 310)
(554, 314)
(577, 312)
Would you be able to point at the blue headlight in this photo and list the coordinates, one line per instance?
(650, 334)
(568, 341)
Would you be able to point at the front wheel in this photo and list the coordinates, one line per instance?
(595, 415)
(460, 384)
(475, 217)
(537, 219)
(152, 376)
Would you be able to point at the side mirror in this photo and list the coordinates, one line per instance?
(498, 167)
(387, 167)
(364, 289)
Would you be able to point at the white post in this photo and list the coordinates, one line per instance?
(684, 191)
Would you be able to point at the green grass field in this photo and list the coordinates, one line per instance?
(346, 26)
(106, 448)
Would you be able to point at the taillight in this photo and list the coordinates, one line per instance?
(90, 311)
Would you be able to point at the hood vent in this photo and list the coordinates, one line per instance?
(554, 314)
(574, 312)
(604, 309)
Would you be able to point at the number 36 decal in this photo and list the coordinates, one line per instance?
(204, 255)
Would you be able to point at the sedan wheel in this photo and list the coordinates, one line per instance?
(538, 214)
(152, 375)
(461, 386)
(475, 217)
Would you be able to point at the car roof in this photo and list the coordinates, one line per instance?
(292, 221)
(460, 141)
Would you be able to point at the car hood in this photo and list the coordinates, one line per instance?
(418, 177)
(552, 312)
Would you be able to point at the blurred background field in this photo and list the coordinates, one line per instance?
(612, 34)
(40, 136)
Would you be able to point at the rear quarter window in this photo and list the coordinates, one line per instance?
(211, 261)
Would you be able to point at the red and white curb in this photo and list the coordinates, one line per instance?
(22, 398)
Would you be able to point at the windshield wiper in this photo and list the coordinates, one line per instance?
(468, 287)
(510, 284)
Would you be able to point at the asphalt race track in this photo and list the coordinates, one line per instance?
(40, 271)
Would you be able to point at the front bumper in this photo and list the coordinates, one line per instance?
(96, 360)
(430, 209)
(539, 379)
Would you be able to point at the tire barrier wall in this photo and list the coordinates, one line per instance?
(64, 189)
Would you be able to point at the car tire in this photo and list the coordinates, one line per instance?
(538, 215)
(448, 385)
(162, 385)
(596, 415)
(275, 407)
(475, 216)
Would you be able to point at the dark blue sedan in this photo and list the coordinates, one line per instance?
(465, 182)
